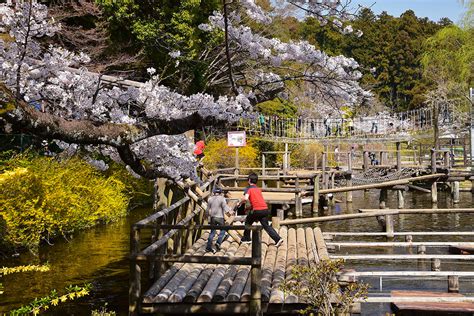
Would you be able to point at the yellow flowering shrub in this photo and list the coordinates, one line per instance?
(42, 198)
(219, 155)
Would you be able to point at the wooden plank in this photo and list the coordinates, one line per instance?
(416, 305)
(276, 295)
(291, 261)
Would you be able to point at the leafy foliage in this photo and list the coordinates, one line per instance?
(318, 287)
(53, 299)
(219, 155)
(43, 198)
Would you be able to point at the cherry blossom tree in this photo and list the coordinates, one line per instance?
(143, 123)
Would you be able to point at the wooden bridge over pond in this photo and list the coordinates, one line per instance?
(170, 272)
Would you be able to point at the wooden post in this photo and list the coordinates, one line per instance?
(401, 199)
(315, 161)
(399, 156)
(421, 250)
(456, 192)
(382, 198)
(434, 187)
(349, 181)
(435, 264)
(453, 284)
(366, 160)
(237, 166)
(389, 229)
(433, 160)
(446, 159)
(324, 162)
(256, 274)
(135, 274)
(276, 222)
(420, 156)
(381, 158)
(285, 159)
(298, 204)
(315, 205)
(281, 214)
(264, 172)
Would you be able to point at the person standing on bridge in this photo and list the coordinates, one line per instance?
(216, 208)
(259, 211)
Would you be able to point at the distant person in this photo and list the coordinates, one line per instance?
(259, 211)
(216, 208)
(199, 149)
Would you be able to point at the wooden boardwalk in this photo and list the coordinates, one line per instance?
(221, 286)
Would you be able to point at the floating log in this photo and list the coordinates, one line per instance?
(276, 295)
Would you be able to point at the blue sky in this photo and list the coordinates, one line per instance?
(433, 9)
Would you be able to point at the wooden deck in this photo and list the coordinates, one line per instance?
(432, 308)
(187, 287)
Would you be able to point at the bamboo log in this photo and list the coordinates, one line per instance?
(276, 295)
(301, 247)
(179, 294)
(415, 187)
(400, 244)
(320, 244)
(239, 282)
(155, 289)
(383, 184)
(177, 278)
(403, 257)
(453, 233)
(216, 277)
(373, 213)
(291, 262)
(267, 271)
(226, 283)
(313, 257)
(246, 295)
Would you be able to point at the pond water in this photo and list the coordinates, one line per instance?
(99, 256)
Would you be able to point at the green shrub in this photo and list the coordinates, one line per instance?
(43, 198)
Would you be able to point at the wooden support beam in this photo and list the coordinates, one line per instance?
(403, 257)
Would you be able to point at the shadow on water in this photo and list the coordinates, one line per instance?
(99, 256)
